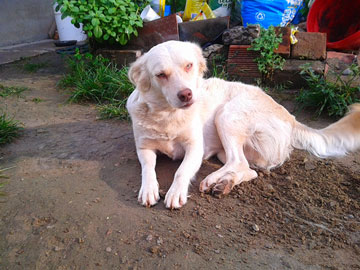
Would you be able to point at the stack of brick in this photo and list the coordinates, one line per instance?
(311, 47)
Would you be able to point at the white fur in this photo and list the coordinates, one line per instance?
(239, 123)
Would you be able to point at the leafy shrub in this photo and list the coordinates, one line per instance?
(269, 61)
(334, 97)
(112, 20)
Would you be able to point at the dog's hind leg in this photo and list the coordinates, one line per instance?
(233, 134)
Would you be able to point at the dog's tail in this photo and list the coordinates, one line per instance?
(338, 139)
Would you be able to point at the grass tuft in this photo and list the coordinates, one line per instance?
(96, 79)
(6, 91)
(9, 129)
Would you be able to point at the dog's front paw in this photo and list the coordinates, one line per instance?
(176, 196)
(149, 195)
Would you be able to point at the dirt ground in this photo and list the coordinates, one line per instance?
(71, 198)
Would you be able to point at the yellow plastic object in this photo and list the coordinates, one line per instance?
(161, 8)
(196, 9)
(293, 39)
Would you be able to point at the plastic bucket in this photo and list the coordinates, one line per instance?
(340, 20)
(66, 30)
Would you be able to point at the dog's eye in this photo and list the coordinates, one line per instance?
(188, 67)
(161, 75)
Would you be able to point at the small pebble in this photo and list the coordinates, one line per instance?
(217, 251)
(218, 226)
(255, 228)
(108, 249)
(347, 72)
(155, 249)
(57, 248)
(159, 241)
(149, 238)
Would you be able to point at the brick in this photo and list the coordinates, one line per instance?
(120, 57)
(241, 64)
(309, 46)
(284, 46)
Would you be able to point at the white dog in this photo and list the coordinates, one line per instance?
(175, 111)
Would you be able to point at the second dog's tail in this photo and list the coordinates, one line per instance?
(338, 139)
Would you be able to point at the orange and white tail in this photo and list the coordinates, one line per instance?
(338, 139)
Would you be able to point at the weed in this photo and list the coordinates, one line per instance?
(96, 79)
(6, 91)
(268, 61)
(33, 67)
(114, 110)
(334, 97)
(9, 129)
(218, 69)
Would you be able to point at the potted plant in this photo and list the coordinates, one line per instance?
(109, 21)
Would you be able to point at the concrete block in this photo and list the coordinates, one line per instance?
(120, 57)
(290, 75)
(241, 35)
(309, 46)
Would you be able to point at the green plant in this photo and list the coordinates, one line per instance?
(9, 129)
(334, 97)
(6, 91)
(96, 79)
(268, 61)
(112, 20)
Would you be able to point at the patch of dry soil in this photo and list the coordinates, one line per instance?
(72, 199)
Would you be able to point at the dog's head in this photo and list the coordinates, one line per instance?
(170, 71)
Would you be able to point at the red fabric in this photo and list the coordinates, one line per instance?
(339, 19)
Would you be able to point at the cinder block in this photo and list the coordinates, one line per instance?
(241, 64)
(290, 75)
(120, 57)
(309, 46)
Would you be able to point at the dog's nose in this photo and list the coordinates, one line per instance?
(185, 95)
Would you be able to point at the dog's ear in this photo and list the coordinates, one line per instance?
(138, 74)
(201, 60)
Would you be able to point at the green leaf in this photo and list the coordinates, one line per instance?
(111, 10)
(106, 37)
(63, 16)
(75, 9)
(97, 31)
(95, 22)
